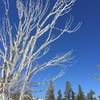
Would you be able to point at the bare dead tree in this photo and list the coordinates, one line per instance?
(35, 19)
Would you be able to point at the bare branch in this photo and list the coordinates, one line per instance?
(36, 18)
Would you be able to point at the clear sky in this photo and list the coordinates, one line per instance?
(85, 43)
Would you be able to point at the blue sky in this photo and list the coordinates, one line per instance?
(84, 42)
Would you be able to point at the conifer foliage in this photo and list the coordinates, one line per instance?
(59, 97)
(67, 94)
(71, 94)
(90, 95)
(80, 95)
(50, 92)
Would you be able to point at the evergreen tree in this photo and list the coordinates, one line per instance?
(59, 95)
(50, 92)
(80, 95)
(90, 95)
(73, 95)
(67, 93)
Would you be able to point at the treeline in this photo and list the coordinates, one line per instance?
(69, 93)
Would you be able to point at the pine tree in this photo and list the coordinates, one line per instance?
(80, 95)
(67, 93)
(50, 92)
(73, 95)
(90, 95)
(59, 95)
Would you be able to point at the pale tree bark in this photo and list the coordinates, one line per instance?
(35, 19)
